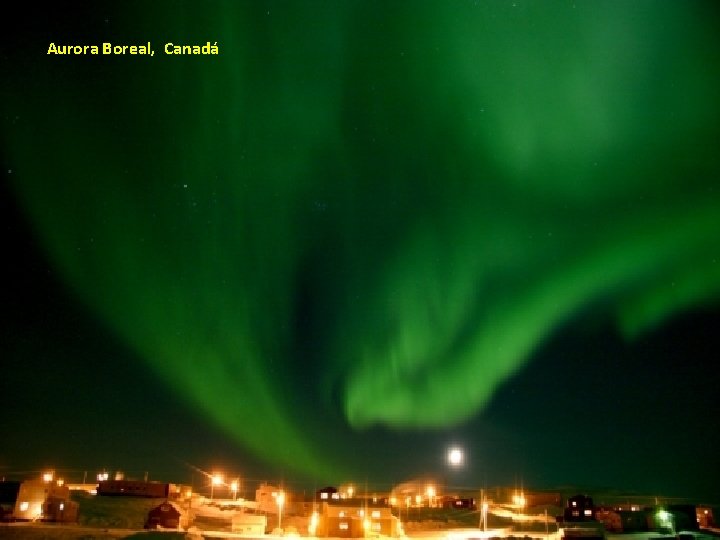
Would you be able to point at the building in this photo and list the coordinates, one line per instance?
(135, 488)
(270, 498)
(624, 521)
(60, 510)
(354, 518)
(47, 501)
(167, 515)
(704, 516)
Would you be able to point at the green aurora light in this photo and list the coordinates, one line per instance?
(384, 209)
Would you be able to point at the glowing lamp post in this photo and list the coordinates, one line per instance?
(484, 515)
(431, 496)
(216, 480)
(280, 500)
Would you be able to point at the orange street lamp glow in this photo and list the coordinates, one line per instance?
(215, 480)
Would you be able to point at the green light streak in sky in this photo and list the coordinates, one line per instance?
(391, 206)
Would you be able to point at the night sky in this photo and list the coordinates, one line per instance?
(363, 232)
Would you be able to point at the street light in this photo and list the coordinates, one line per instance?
(216, 480)
(280, 500)
(431, 496)
(484, 513)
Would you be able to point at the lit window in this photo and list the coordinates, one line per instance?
(588, 512)
(376, 526)
(574, 503)
(344, 526)
(375, 513)
(335, 495)
(341, 514)
(361, 513)
(62, 506)
(24, 506)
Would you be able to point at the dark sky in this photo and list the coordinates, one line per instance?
(361, 234)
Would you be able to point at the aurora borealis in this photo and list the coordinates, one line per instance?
(362, 220)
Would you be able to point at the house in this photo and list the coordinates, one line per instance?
(624, 521)
(60, 510)
(270, 498)
(167, 515)
(704, 516)
(48, 501)
(354, 518)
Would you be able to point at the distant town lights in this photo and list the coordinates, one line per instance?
(48, 476)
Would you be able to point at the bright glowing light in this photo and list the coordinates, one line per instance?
(60, 482)
(280, 500)
(312, 527)
(455, 457)
(393, 501)
(519, 500)
(47, 476)
(24, 506)
(215, 480)
(430, 491)
(350, 491)
(103, 476)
